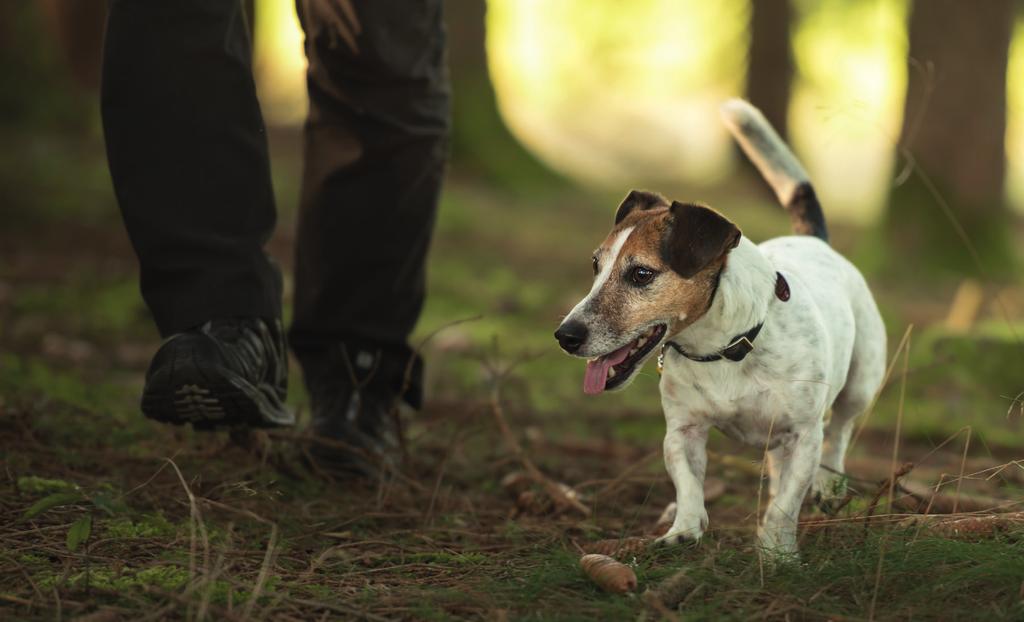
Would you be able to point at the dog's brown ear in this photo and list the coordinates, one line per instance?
(697, 236)
(638, 199)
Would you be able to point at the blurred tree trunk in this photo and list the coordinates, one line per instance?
(78, 27)
(770, 65)
(39, 88)
(481, 143)
(249, 6)
(955, 125)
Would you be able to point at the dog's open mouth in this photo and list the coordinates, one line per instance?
(614, 368)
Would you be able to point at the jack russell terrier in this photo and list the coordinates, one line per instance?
(757, 340)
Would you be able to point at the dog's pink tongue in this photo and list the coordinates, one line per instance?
(596, 375)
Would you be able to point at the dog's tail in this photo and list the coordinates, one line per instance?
(777, 164)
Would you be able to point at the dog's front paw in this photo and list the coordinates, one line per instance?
(673, 538)
(778, 544)
(685, 528)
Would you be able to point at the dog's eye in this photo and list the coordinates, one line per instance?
(641, 275)
(594, 260)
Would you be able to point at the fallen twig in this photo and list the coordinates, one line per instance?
(552, 488)
(261, 579)
(195, 523)
(628, 471)
(967, 526)
(884, 487)
(311, 439)
(923, 499)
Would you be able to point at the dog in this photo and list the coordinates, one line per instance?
(757, 340)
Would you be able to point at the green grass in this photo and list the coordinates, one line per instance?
(80, 410)
(452, 546)
(921, 578)
(470, 561)
(958, 380)
(837, 578)
(101, 308)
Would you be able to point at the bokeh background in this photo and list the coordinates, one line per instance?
(909, 117)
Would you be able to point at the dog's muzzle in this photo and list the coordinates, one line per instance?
(571, 336)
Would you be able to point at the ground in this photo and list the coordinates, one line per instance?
(106, 516)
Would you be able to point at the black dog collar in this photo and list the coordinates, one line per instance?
(740, 345)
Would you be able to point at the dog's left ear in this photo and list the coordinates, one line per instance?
(697, 236)
(638, 199)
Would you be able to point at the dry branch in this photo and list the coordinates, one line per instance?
(625, 474)
(886, 485)
(195, 524)
(967, 526)
(553, 489)
(920, 498)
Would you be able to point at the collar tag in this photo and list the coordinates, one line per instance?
(739, 349)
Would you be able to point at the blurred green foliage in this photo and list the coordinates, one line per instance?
(35, 86)
(511, 246)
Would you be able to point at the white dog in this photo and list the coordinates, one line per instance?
(759, 341)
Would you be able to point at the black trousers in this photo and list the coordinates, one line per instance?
(188, 156)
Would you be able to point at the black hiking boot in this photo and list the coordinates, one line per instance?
(225, 373)
(354, 398)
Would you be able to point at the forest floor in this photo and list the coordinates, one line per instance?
(105, 515)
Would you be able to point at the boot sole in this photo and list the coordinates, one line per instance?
(212, 398)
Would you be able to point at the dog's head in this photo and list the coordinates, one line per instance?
(654, 275)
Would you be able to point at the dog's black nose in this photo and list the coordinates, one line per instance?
(571, 336)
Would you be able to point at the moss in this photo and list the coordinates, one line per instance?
(88, 304)
(40, 486)
(959, 380)
(33, 559)
(165, 577)
(93, 405)
(447, 558)
(146, 526)
(921, 237)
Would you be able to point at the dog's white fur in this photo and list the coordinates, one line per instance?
(601, 341)
(823, 348)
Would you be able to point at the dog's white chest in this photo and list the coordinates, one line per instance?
(755, 429)
(750, 402)
(757, 417)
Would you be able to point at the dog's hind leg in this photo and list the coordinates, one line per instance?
(777, 533)
(862, 382)
(830, 482)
